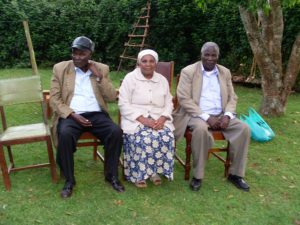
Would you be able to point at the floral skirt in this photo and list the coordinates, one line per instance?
(148, 152)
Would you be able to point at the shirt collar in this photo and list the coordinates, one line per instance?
(215, 71)
(140, 76)
(78, 70)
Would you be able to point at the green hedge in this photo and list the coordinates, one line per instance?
(177, 30)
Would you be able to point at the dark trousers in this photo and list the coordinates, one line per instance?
(103, 128)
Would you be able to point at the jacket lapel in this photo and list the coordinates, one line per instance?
(197, 83)
(70, 78)
(222, 83)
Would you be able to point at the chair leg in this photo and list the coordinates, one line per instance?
(227, 161)
(51, 160)
(4, 170)
(95, 149)
(188, 151)
(11, 158)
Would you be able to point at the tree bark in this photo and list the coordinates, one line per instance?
(292, 70)
(266, 43)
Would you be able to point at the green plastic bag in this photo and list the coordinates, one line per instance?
(260, 121)
(260, 130)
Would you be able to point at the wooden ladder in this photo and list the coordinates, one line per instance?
(137, 38)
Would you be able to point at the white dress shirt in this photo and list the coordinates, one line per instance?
(210, 98)
(84, 99)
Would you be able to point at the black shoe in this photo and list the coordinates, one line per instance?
(239, 182)
(195, 184)
(67, 190)
(115, 183)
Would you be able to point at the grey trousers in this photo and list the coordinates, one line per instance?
(238, 135)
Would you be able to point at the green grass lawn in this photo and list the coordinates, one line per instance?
(273, 173)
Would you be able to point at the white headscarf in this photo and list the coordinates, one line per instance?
(147, 52)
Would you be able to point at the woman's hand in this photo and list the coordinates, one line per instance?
(148, 122)
(159, 124)
(81, 120)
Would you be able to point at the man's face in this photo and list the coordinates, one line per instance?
(81, 57)
(209, 58)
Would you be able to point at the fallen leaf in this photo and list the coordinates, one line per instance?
(118, 202)
(297, 222)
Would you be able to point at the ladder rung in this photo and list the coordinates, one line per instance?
(136, 35)
(133, 45)
(141, 26)
(144, 17)
(128, 57)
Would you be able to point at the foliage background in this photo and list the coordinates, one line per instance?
(177, 30)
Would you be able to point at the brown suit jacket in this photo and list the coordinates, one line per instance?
(62, 90)
(189, 91)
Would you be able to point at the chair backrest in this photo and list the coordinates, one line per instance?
(167, 70)
(175, 99)
(20, 90)
(46, 98)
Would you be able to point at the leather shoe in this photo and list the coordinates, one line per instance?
(195, 184)
(115, 183)
(239, 182)
(67, 190)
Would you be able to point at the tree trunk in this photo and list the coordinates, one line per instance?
(266, 48)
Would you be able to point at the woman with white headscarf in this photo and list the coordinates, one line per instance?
(146, 105)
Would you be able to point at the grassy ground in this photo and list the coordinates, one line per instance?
(272, 172)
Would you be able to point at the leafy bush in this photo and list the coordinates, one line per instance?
(178, 29)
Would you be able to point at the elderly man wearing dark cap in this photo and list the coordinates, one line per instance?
(79, 91)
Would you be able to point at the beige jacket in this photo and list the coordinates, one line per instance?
(62, 90)
(189, 91)
(139, 96)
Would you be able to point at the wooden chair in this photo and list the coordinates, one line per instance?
(86, 139)
(217, 135)
(167, 70)
(20, 91)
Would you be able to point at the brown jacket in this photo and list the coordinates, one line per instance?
(62, 91)
(189, 91)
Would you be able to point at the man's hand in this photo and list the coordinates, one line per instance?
(159, 124)
(214, 122)
(81, 120)
(92, 67)
(224, 121)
